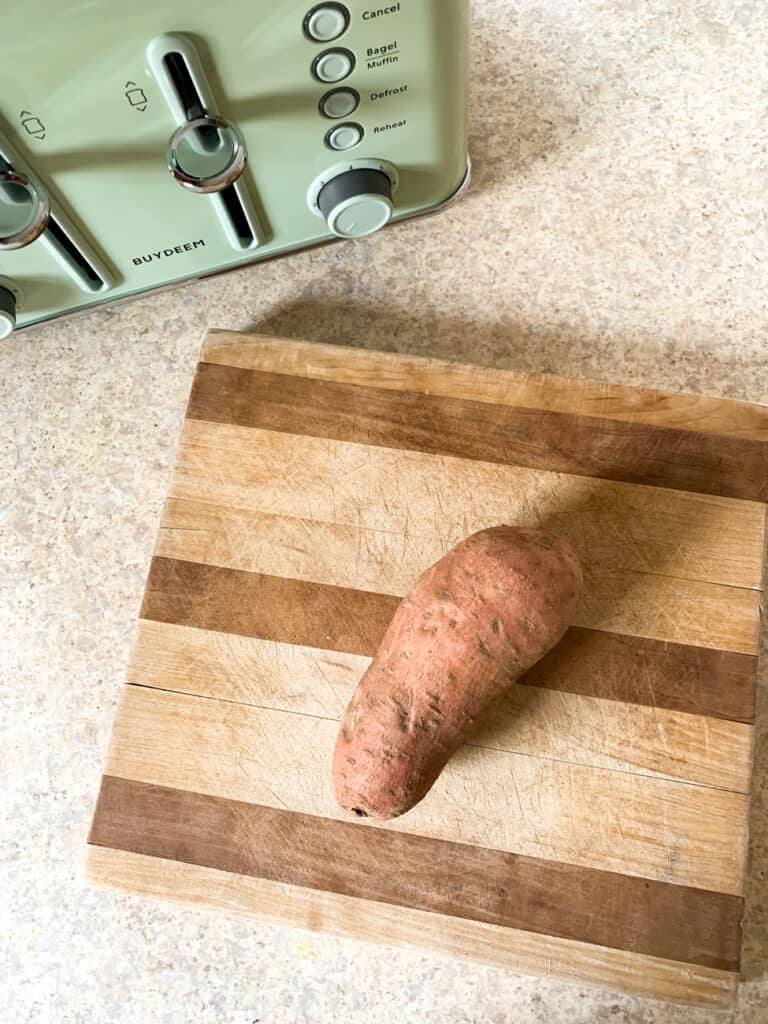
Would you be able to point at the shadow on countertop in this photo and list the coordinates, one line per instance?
(506, 342)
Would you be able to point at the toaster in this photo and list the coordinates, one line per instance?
(147, 142)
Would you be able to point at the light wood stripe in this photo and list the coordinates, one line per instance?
(529, 720)
(561, 442)
(612, 525)
(506, 948)
(398, 372)
(655, 918)
(694, 680)
(636, 825)
(243, 538)
(266, 673)
(623, 526)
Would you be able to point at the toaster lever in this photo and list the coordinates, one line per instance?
(28, 212)
(24, 209)
(206, 153)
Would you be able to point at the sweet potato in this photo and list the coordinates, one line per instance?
(470, 627)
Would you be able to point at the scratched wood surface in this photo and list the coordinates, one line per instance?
(595, 825)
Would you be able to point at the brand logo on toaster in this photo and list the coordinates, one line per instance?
(163, 254)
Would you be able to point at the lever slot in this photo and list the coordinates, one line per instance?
(190, 99)
(184, 86)
(208, 138)
(73, 257)
(178, 69)
(59, 237)
(238, 216)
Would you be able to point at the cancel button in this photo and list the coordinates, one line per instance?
(379, 12)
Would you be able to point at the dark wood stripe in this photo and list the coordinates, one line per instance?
(267, 607)
(547, 897)
(677, 677)
(583, 445)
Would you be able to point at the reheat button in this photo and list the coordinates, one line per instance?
(326, 22)
(344, 136)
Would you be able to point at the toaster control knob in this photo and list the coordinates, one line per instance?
(24, 209)
(7, 312)
(356, 202)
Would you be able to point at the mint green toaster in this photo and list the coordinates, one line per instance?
(153, 141)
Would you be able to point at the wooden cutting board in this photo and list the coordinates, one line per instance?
(595, 827)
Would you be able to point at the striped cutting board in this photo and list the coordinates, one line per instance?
(595, 827)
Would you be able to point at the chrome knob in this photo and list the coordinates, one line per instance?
(206, 154)
(24, 210)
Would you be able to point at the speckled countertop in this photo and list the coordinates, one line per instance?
(616, 228)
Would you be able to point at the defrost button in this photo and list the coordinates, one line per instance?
(339, 103)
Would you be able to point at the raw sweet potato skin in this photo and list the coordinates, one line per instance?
(469, 628)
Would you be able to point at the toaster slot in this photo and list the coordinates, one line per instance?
(176, 65)
(178, 72)
(234, 209)
(72, 257)
(59, 236)
(190, 100)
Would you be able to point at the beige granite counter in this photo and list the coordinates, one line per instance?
(616, 228)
